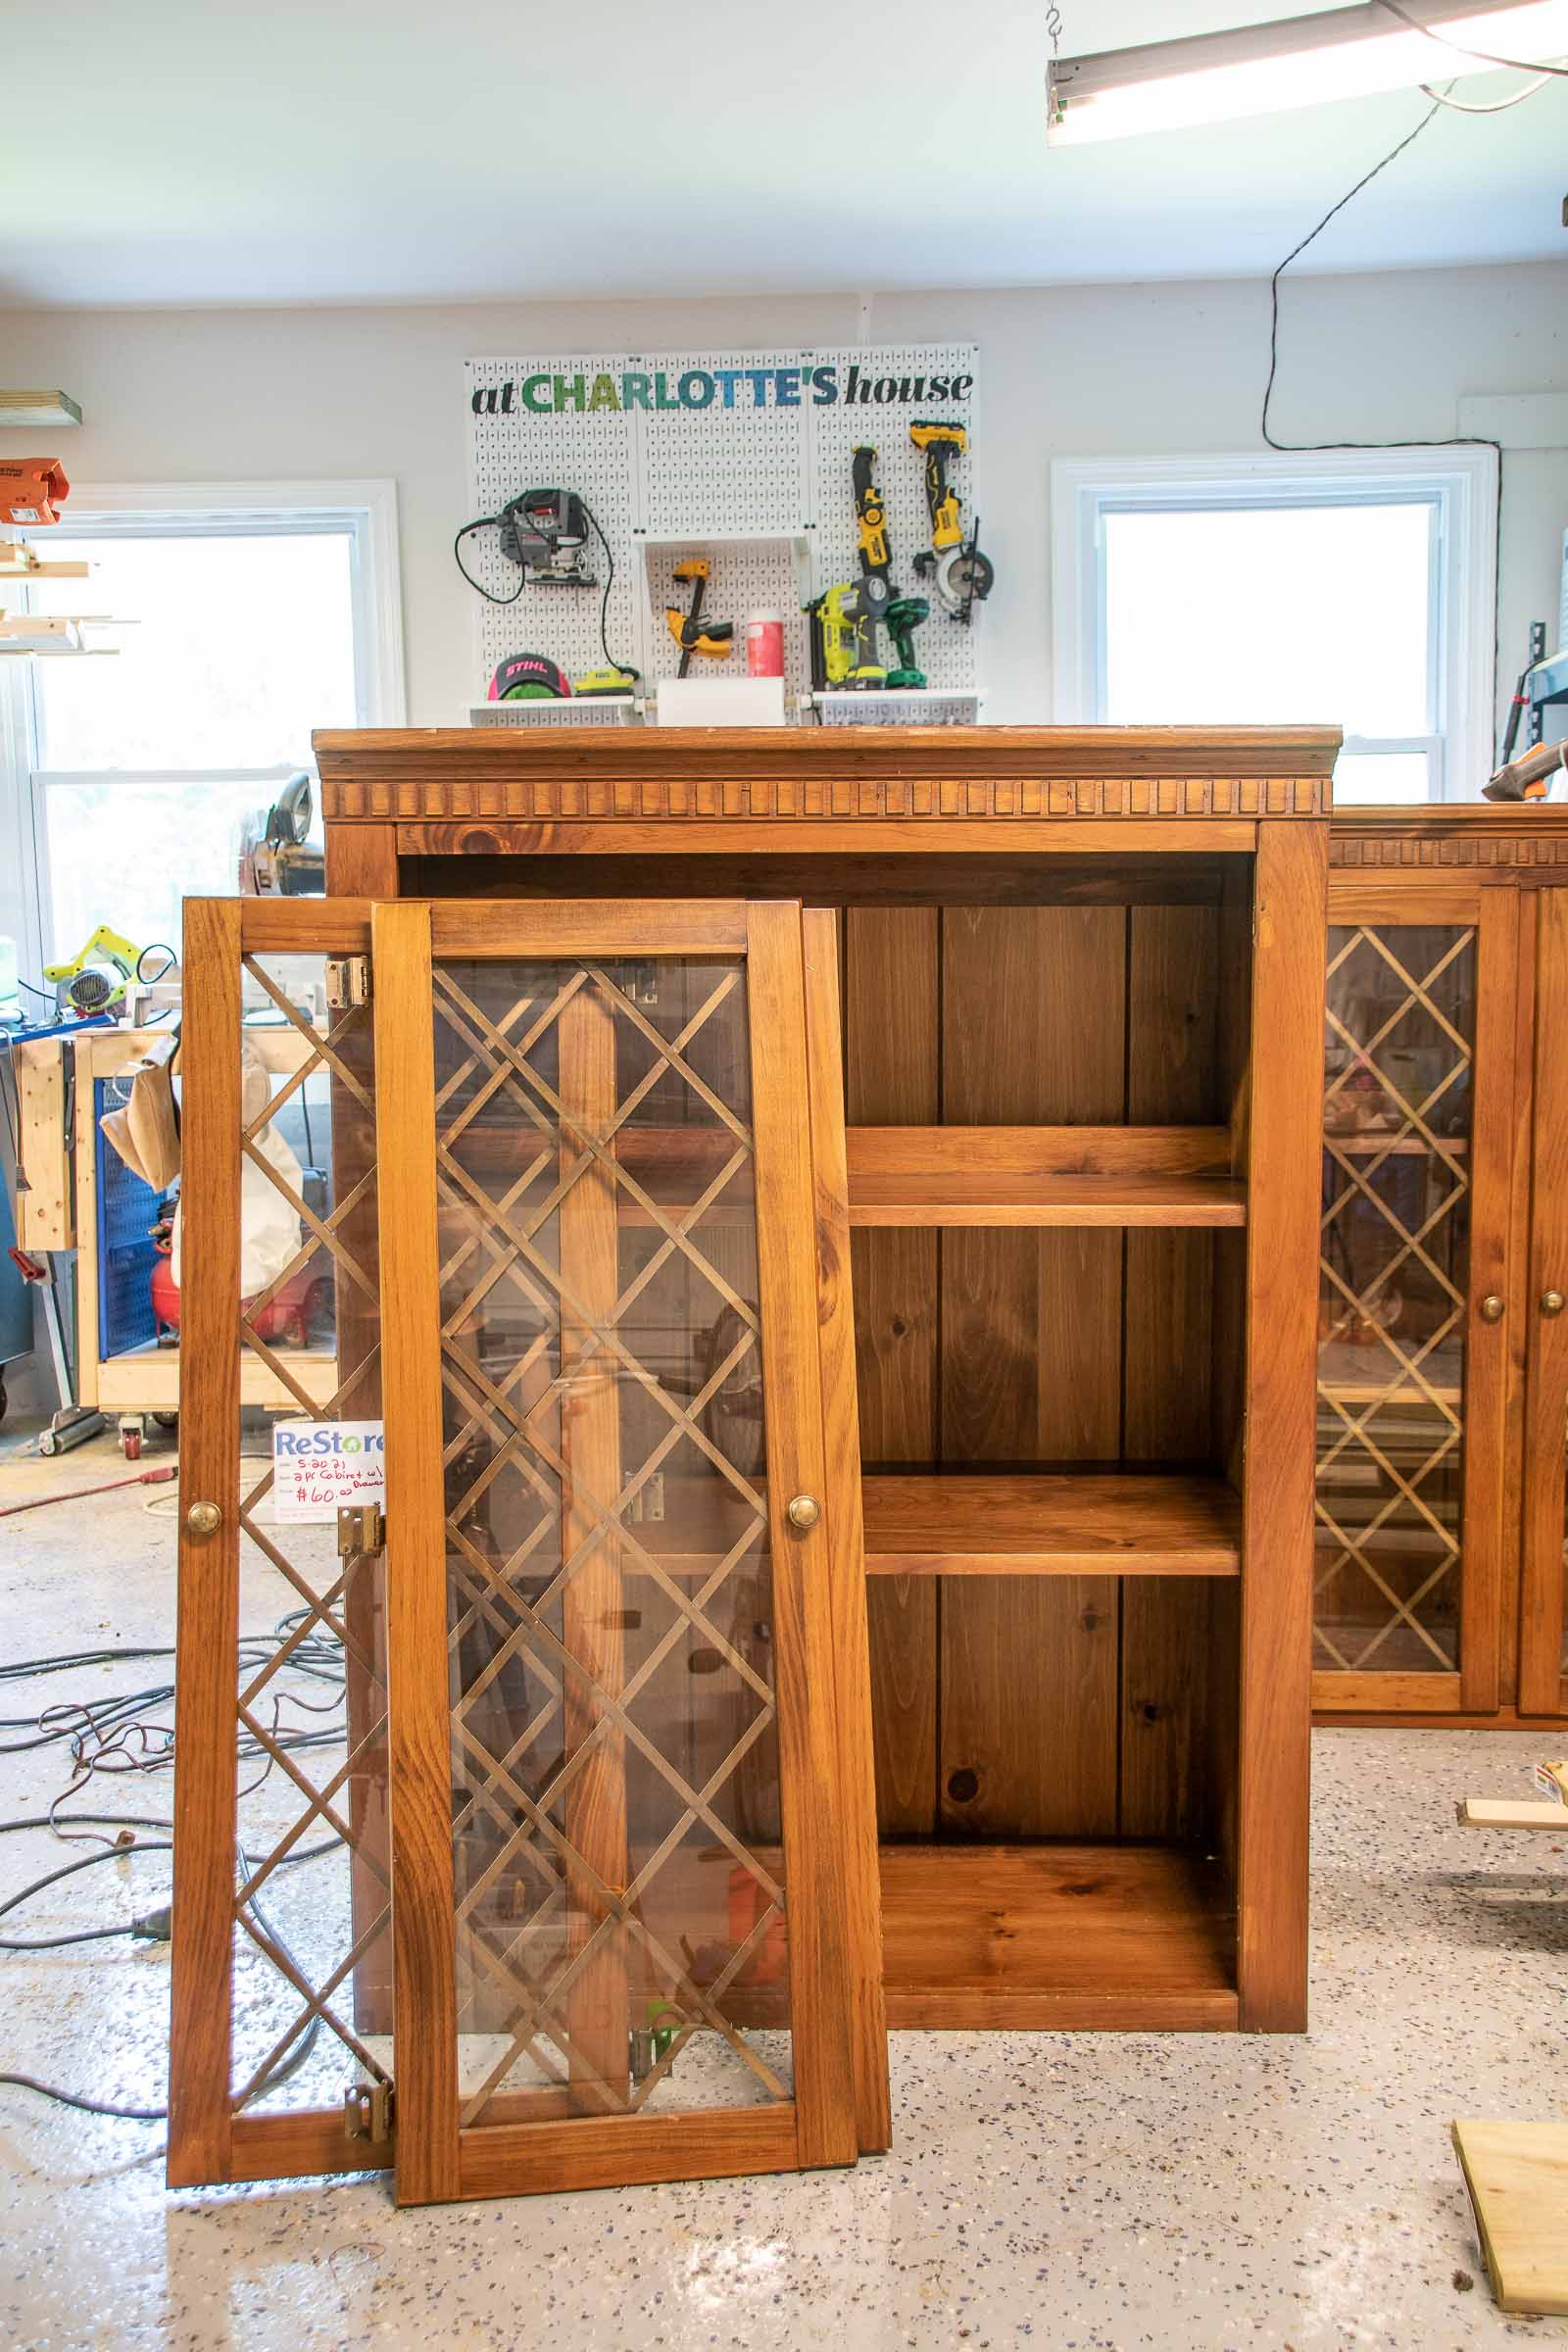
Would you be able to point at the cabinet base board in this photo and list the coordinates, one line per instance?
(964, 2008)
(1064, 1938)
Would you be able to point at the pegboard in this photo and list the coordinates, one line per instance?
(746, 575)
(738, 468)
(591, 453)
(944, 648)
(758, 479)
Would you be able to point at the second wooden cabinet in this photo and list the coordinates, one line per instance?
(1442, 1356)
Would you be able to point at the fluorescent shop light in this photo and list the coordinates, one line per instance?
(1297, 61)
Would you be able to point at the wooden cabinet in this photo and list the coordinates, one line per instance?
(1443, 1377)
(829, 1225)
(1069, 983)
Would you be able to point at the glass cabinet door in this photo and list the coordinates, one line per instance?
(619, 1842)
(1412, 1296)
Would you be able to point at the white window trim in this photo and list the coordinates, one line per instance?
(187, 510)
(1465, 484)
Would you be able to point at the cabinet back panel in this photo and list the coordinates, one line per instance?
(891, 1071)
(1037, 1706)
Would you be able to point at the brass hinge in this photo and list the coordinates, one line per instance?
(369, 2111)
(361, 1528)
(348, 982)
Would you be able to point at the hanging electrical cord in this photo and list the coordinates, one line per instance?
(611, 662)
(154, 1927)
(108, 1485)
(1465, 106)
(483, 522)
(1313, 448)
(1365, 180)
(1484, 57)
(122, 1732)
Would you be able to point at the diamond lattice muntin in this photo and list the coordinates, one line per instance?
(311, 1899)
(1394, 1260)
(620, 1905)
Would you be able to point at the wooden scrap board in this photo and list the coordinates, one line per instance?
(1517, 2176)
(1511, 1813)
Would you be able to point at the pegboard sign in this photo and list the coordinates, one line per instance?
(739, 456)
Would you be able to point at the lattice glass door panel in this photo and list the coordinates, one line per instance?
(618, 1875)
(312, 1894)
(1401, 1045)
(284, 1985)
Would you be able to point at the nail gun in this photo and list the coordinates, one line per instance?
(844, 642)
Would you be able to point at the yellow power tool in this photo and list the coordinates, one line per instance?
(94, 978)
(844, 634)
(963, 576)
(691, 633)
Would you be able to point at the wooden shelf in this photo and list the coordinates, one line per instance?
(1043, 1176)
(1068, 1524)
(1057, 1523)
(1034, 1938)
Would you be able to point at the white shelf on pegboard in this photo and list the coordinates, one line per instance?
(800, 540)
(561, 711)
(732, 544)
(936, 706)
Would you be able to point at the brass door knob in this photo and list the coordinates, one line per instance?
(204, 1518)
(1551, 1303)
(803, 1511)
(1491, 1308)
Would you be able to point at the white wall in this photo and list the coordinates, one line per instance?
(1073, 371)
(1150, 370)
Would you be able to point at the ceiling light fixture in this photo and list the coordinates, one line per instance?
(1297, 61)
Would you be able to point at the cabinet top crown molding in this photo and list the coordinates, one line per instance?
(374, 775)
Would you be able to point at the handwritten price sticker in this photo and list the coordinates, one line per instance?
(320, 1466)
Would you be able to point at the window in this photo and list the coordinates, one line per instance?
(1353, 588)
(249, 623)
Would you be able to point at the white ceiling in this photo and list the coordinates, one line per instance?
(391, 150)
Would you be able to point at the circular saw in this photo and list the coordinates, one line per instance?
(960, 574)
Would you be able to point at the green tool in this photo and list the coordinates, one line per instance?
(901, 619)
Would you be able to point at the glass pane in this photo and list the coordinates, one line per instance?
(242, 644)
(1395, 1265)
(312, 1909)
(1389, 779)
(619, 1926)
(1267, 615)
(129, 854)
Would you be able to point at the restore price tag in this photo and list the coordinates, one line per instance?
(318, 1466)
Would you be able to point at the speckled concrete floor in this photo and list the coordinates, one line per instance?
(1092, 2194)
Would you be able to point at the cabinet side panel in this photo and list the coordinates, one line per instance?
(892, 1043)
(1034, 1031)
(1282, 1249)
